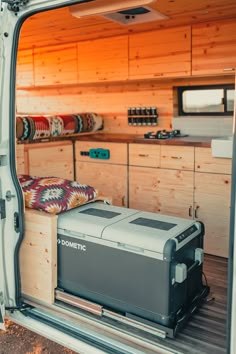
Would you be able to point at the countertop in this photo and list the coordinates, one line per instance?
(199, 141)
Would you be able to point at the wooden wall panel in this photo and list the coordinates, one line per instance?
(111, 100)
(25, 71)
(56, 65)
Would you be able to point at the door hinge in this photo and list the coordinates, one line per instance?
(2, 209)
(15, 5)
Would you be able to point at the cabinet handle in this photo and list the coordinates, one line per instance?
(176, 157)
(190, 210)
(196, 212)
(229, 69)
(123, 201)
(143, 155)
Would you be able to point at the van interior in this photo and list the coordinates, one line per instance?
(126, 75)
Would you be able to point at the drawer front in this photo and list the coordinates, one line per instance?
(144, 155)
(117, 152)
(204, 162)
(177, 157)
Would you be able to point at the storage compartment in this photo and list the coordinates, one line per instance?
(140, 264)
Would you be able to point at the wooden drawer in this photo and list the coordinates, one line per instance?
(177, 157)
(144, 155)
(118, 152)
(204, 162)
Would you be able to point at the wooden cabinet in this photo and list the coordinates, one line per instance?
(162, 191)
(212, 199)
(162, 53)
(166, 190)
(56, 65)
(193, 184)
(212, 207)
(50, 159)
(214, 47)
(103, 59)
(108, 176)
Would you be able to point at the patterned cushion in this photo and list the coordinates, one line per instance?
(38, 127)
(55, 195)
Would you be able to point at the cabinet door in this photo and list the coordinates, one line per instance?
(176, 192)
(162, 191)
(214, 47)
(103, 59)
(160, 53)
(54, 161)
(110, 180)
(212, 205)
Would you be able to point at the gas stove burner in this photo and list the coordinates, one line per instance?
(163, 134)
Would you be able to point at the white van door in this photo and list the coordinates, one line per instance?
(12, 15)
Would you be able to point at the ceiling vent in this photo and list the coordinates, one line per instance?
(136, 15)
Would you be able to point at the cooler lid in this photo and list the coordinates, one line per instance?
(147, 231)
(91, 219)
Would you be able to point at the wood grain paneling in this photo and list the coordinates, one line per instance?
(117, 152)
(111, 100)
(177, 157)
(160, 53)
(204, 162)
(20, 160)
(64, 28)
(212, 202)
(214, 47)
(56, 65)
(51, 159)
(144, 155)
(38, 256)
(162, 191)
(103, 60)
(109, 179)
(25, 68)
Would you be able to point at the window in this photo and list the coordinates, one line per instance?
(206, 100)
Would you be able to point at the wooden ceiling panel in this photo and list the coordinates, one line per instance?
(60, 27)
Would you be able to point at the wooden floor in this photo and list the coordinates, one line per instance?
(205, 332)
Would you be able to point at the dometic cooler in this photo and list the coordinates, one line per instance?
(143, 265)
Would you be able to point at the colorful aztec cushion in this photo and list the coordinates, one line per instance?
(38, 127)
(55, 195)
